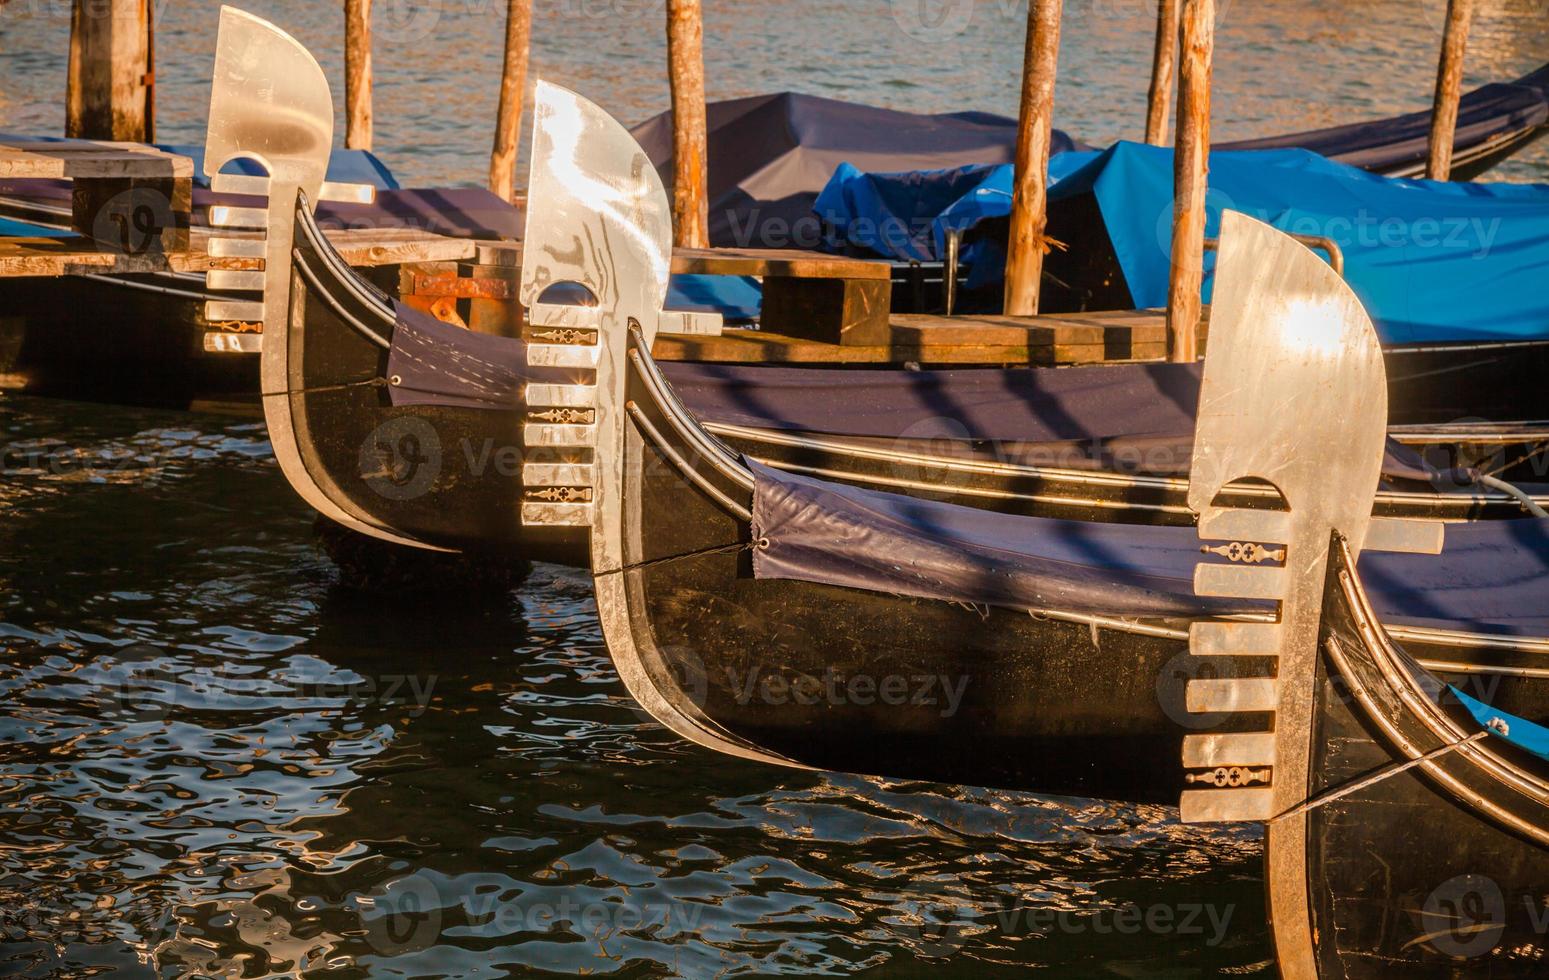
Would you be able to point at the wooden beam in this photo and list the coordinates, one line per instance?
(1029, 203)
(1191, 166)
(513, 86)
(1449, 85)
(357, 74)
(1164, 59)
(108, 93)
(686, 71)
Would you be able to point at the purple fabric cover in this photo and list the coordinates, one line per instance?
(436, 363)
(1401, 142)
(1137, 418)
(1493, 576)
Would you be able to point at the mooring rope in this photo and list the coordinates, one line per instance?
(1542, 448)
(667, 560)
(367, 383)
(1387, 772)
(1516, 493)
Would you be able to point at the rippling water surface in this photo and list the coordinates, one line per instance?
(214, 761)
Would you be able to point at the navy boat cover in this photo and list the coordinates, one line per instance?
(1136, 417)
(1133, 418)
(770, 155)
(1493, 576)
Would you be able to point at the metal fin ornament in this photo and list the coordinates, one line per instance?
(270, 103)
(598, 217)
(1294, 395)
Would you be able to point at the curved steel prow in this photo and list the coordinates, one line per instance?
(1294, 395)
(598, 216)
(270, 103)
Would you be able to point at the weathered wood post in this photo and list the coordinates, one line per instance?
(1029, 203)
(513, 86)
(686, 69)
(1191, 165)
(357, 74)
(1163, 61)
(110, 85)
(1449, 84)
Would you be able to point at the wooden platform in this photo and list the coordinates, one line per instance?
(89, 159)
(21, 257)
(1072, 338)
(782, 263)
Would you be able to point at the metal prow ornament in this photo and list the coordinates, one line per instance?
(270, 103)
(598, 216)
(1294, 395)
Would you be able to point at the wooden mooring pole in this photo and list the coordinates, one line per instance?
(1449, 85)
(686, 70)
(1163, 62)
(111, 80)
(1029, 202)
(1191, 166)
(513, 87)
(357, 74)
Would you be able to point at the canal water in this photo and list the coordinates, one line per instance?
(217, 761)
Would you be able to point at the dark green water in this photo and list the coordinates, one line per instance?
(216, 762)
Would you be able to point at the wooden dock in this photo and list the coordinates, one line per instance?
(1072, 338)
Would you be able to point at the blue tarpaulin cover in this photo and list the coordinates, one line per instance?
(1525, 735)
(1432, 261)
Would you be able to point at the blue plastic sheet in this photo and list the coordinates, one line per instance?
(1432, 261)
(1525, 735)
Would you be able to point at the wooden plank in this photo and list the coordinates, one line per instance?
(1045, 340)
(793, 263)
(837, 311)
(85, 159)
(360, 247)
(21, 257)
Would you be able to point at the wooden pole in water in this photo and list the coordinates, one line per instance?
(686, 70)
(1163, 61)
(1449, 84)
(513, 86)
(109, 88)
(1191, 165)
(1029, 203)
(357, 74)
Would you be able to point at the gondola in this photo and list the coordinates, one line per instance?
(437, 368)
(764, 615)
(377, 452)
(922, 639)
(1407, 817)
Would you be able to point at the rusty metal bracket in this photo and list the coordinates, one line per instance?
(463, 287)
